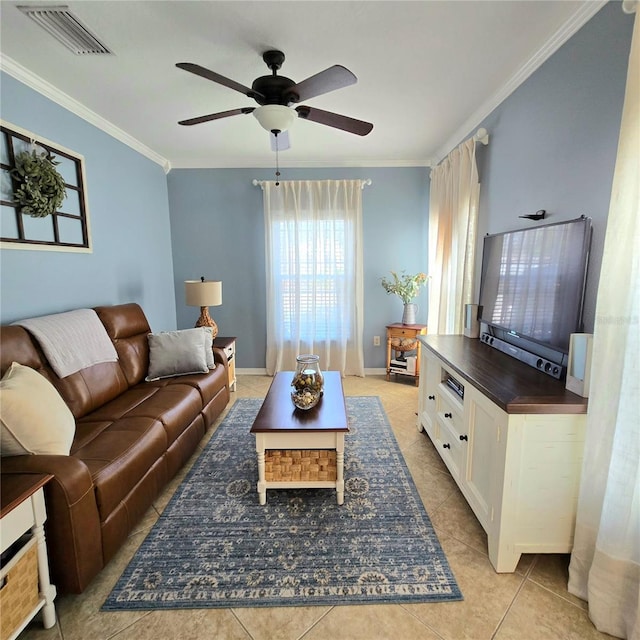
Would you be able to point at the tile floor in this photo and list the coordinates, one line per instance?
(530, 604)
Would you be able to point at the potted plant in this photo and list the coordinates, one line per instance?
(406, 287)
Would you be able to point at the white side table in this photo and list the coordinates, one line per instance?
(22, 509)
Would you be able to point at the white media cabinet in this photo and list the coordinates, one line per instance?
(513, 443)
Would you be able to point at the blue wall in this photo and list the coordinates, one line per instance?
(553, 142)
(217, 230)
(552, 146)
(129, 215)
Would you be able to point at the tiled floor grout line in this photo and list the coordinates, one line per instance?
(235, 615)
(315, 624)
(525, 577)
(423, 623)
(551, 591)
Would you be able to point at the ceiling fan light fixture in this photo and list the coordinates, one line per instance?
(275, 117)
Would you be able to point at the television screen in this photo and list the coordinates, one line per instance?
(533, 280)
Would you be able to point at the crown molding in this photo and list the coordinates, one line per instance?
(302, 164)
(568, 29)
(46, 89)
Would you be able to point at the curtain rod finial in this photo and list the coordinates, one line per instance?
(481, 136)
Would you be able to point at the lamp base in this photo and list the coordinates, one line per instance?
(205, 320)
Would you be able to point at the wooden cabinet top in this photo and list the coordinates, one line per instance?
(15, 489)
(222, 342)
(278, 412)
(509, 383)
(413, 327)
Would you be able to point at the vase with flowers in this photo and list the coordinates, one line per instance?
(406, 287)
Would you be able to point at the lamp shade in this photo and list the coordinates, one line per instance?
(275, 117)
(203, 293)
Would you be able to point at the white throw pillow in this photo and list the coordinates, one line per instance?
(176, 353)
(34, 419)
(208, 347)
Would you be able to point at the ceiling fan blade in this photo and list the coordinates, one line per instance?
(216, 77)
(283, 142)
(330, 79)
(359, 127)
(216, 116)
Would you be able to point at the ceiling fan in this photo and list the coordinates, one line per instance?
(275, 94)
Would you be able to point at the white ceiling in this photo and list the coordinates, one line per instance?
(428, 71)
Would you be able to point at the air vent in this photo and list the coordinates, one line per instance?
(66, 28)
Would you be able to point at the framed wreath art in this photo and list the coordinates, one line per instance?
(42, 189)
(42, 195)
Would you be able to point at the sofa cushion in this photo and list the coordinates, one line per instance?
(127, 326)
(119, 455)
(175, 353)
(33, 417)
(174, 405)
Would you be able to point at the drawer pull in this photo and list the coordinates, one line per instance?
(432, 397)
(463, 437)
(448, 415)
(446, 446)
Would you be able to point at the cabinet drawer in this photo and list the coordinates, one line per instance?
(449, 413)
(398, 332)
(449, 446)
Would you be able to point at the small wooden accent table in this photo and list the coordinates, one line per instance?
(406, 331)
(22, 509)
(279, 425)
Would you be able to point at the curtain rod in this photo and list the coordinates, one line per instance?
(481, 136)
(363, 183)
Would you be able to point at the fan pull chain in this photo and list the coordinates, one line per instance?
(275, 133)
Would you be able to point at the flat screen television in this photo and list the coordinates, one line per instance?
(533, 281)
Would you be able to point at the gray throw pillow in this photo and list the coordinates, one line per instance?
(175, 353)
(208, 347)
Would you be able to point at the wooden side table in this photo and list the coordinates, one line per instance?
(228, 345)
(404, 338)
(22, 509)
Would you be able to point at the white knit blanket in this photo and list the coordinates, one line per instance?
(72, 340)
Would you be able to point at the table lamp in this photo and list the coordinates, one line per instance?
(204, 294)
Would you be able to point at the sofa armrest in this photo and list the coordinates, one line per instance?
(220, 357)
(71, 474)
(73, 533)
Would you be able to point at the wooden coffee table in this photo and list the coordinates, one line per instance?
(283, 431)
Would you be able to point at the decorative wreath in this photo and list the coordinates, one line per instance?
(41, 188)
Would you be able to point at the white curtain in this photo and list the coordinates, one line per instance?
(605, 563)
(453, 216)
(313, 233)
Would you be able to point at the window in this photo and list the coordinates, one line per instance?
(311, 278)
(314, 273)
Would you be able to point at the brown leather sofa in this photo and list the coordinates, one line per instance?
(131, 438)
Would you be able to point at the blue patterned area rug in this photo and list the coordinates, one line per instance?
(215, 546)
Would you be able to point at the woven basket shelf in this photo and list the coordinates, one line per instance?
(281, 465)
(19, 594)
(404, 344)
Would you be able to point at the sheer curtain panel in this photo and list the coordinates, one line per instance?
(605, 562)
(453, 215)
(313, 232)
